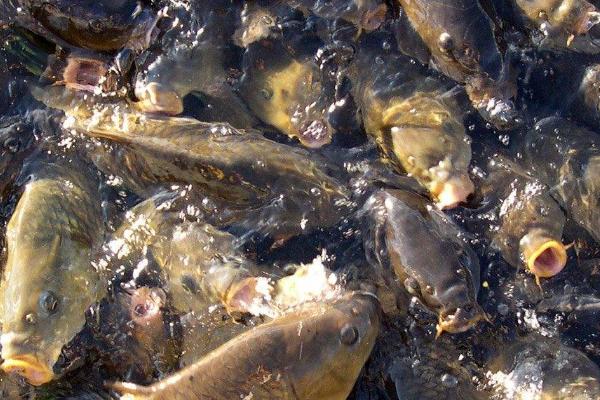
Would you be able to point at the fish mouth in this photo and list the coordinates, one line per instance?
(543, 254)
(461, 320)
(548, 259)
(156, 98)
(454, 191)
(29, 367)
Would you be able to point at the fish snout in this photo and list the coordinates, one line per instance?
(543, 254)
(29, 367)
(454, 191)
(459, 319)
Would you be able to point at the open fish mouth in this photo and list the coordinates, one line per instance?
(461, 320)
(29, 367)
(548, 259)
(454, 191)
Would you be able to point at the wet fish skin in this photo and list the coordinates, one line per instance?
(415, 122)
(200, 264)
(287, 91)
(566, 157)
(364, 14)
(459, 35)
(461, 40)
(49, 280)
(198, 67)
(543, 368)
(102, 26)
(557, 25)
(530, 219)
(277, 185)
(411, 251)
(296, 356)
(130, 328)
(586, 105)
(17, 140)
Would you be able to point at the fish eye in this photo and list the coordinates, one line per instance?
(446, 43)
(48, 302)
(349, 335)
(464, 259)
(468, 308)
(266, 94)
(190, 284)
(96, 26)
(12, 144)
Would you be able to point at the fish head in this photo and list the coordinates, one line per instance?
(89, 24)
(469, 49)
(45, 313)
(335, 351)
(457, 296)
(49, 282)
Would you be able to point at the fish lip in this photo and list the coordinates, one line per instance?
(557, 252)
(454, 191)
(28, 366)
(460, 321)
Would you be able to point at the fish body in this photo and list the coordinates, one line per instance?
(364, 14)
(564, 23)
(279, 186)
(412, 251)
(566, 157)
(542, 369)
(49, 280)
(461, 40)
(314, 353)
(201, 265)
(531, 222)
(415, 124)
(102, 26)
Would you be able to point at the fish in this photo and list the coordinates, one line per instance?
(462, 44)
(105, 26)
(415, 122)
(288, 91)
(199, 67)
(278, 186)
(300, 355)
(530, 221)
(543, 368)
(49, 280)
(131, 333)
(366, 15)
(565, 156)
(201, 265)
(18, 140)
(411, 249)
(586, 104)
(566, 24)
